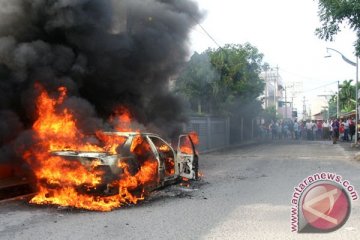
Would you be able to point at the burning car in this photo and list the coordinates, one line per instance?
(134, 150)
(103, 171)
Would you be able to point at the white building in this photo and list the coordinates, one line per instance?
(274, 93)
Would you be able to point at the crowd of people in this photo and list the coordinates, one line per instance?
(333, 129)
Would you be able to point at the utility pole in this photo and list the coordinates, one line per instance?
(304, 109)
(357, 101)
(292, 106)
(337, 101)
(292, 89)
(286, 113)
(275, 87)
(266, 90)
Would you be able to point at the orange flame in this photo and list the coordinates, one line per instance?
(112, 142)
(194, 137)
(186, 146)
(59, 179)
(165, 150)
(57, 130)
(122, 119)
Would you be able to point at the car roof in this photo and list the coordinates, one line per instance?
(128, 134)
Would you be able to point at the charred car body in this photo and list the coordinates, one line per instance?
(133, 149)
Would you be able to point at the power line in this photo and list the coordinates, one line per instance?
(298, 75)
(206, 32)
(330, 83)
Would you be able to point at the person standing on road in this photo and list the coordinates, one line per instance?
(308, 127)
(319, 130)
(285, 130)
(303, 130)
(314, 130)
(351, 129)
(296, 130)
(291, 129)
(341, 131)
(273, 130)
(325, 127)
(279, 127)
(331, 129)
(346, 130)
(335, 130)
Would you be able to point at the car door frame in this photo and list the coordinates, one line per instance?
(161, 169)
(187, 162)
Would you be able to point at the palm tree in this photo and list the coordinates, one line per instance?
(347, 96)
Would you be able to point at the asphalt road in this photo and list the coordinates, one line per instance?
(245, 194)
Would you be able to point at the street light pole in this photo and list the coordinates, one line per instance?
(356, 88)
(286, 115)
(337, 98)
(356, 100)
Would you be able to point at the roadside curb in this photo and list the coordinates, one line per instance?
(354, 150)
(232, 146)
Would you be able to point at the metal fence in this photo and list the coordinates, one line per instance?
(220, 132)
(214, 132)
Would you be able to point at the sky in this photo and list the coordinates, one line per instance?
(284, 31)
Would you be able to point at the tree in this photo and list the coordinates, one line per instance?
(222, 80)
(333, 13)
(239, 67)
(226, 82)
(347, 96)
(195, 82)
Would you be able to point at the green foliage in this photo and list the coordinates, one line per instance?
(220, 81)
(239, 68)
(346, 98)
(196, 82)
(333, 13)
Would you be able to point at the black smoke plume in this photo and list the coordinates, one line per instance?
(106, 52)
